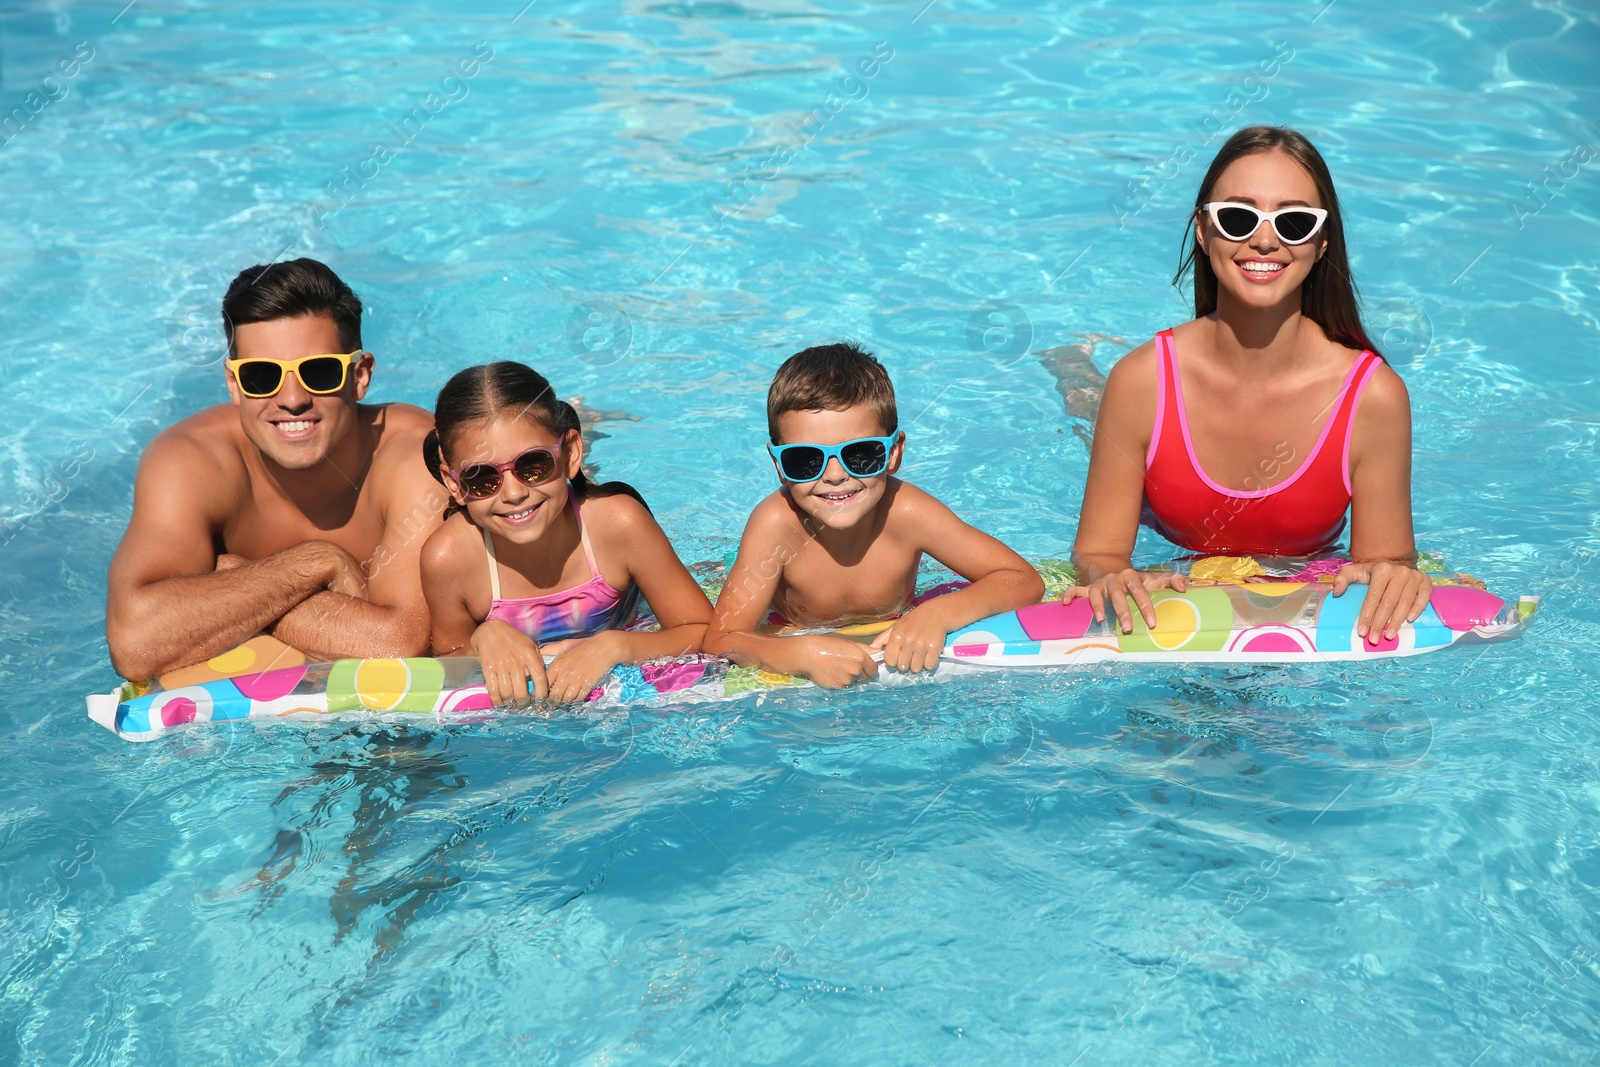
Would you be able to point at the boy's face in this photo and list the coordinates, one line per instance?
(838, 500)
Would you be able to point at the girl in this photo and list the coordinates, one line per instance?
(1252, 428)
(534, 561)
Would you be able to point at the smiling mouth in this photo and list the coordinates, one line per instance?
(839, 498)
(520, 516)
(295, 429)
(1262, 269)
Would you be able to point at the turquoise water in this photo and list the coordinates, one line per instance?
(1389, 863)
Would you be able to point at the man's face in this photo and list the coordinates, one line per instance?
(838, 500)
(293, 428)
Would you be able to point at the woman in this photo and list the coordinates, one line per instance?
(1252, 428)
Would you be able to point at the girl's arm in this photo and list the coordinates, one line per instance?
(629, 530)
(510, 659)
(1113, 495)
(1383, 546)
(1001, 581)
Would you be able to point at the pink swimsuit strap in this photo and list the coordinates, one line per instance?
(584, 609)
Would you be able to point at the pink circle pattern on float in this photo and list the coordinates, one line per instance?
(192, 703)
(472, 698)
(270, 685)
(1274, 640)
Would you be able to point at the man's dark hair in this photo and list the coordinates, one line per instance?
(831, 378)
(288, 291)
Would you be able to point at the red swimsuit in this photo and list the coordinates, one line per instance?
(1301, 515)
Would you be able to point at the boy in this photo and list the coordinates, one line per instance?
(841, 540)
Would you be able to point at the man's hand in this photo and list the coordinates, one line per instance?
(1396, 594)
(347, 577)
(511, 661)
(1122, 586)
(835, 662)
(914, 642)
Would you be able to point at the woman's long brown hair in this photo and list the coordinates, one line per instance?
(1328, 296)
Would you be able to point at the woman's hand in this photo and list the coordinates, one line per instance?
(1396, 594)
(511, 661)
(914, 642)
(580, 663)
(1120, 587)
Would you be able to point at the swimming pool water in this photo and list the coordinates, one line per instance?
(1339, 864)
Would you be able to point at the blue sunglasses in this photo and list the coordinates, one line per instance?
(865, 457)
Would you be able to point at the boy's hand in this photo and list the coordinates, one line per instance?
(510, 662)
(1123, 586)
(579, 665)
(835, 662)
(1396, 594)
(914, 642)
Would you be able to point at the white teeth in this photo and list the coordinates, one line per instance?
(296, 427)
(1263, 268)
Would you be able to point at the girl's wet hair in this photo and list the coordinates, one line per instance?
(503, 390)
(1328, 296)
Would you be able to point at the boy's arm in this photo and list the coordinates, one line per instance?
(1001, 581)
(166, 604)
(768, 545)
(392, 619)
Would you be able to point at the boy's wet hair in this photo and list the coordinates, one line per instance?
(271, 291)
(498, 389)
(831, 378)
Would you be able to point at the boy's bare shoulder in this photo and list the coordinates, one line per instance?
(774, 515)
(908, 503)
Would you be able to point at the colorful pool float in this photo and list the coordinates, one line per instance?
(1247, 619)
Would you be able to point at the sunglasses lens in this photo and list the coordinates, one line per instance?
(480, 480)
(802, 463)
(325, 374)
(535, 467)
(864, 458)
(257, 378)
(1237, 223)
(1296, 226)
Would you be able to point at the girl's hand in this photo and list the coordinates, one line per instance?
(579, 664)
(1396, 594)
(511, 661)
(913, 643)
(1122, 586)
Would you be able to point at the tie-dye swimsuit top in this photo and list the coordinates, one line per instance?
(577, 612)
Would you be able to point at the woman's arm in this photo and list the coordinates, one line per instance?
(1113, 494)
(1383, 546)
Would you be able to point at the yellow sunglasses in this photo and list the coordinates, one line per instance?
(260, 377)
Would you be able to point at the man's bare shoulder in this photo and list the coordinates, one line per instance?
(402, 478)
(209, 440)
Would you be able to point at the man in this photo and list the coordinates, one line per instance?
(294, 510)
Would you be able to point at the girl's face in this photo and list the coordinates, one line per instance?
(1261, 271)
(518, 512)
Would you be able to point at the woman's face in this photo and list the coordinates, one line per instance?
(1261, 271)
